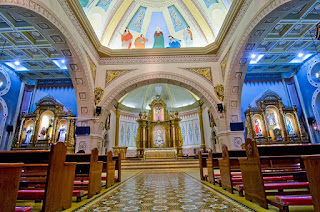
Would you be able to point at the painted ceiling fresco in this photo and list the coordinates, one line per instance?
(139, 24)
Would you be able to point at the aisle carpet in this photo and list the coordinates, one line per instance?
(163, 191)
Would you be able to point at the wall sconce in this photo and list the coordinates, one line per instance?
(314, 124)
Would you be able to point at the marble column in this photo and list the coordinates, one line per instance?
(117, 126)
(203, 142)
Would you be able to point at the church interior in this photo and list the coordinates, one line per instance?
(171, 105)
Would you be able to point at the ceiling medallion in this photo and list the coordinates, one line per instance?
(203, 72)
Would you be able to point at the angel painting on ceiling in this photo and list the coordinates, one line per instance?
(126, 39)
(187, 36)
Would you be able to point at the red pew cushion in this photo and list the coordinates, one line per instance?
(276, 186)
(294, 200)
(239, 179)
(39, 194)
(23, 209)
(103, 177)
(233, 174)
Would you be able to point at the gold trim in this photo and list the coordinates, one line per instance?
(113, 74)
(93, 68)
(219, 90)
(203, 72)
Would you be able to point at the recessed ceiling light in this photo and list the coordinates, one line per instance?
(17, 63)
(63, 61)
(253, 56)
(300, 55)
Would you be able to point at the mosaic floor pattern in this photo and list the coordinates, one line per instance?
(162, 191)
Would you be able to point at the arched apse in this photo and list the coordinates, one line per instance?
(48, 23)
(239, 59)
(204, 91)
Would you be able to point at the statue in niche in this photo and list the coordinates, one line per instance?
(43, 133)
(62, 133)
(289, 126)
(159, 138)
(271, 119)
(29, 133)
(257, 128)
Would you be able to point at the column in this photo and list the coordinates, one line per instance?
(283, 126)
(117, 125)
(203, 142)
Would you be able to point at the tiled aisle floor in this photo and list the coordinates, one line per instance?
(163, 191)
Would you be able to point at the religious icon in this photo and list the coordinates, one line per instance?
(62, 133)
(271, 119)
(187, 36)
(43, 133)
(158, 113)
(126, 39)
(140, 42)
(159, 138)
(211, 119)
(257, 128)
(29, 133)
(174, 42)
(158, 39)
(107, 124)
(289, 126)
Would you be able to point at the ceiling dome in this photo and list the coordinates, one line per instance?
(174, 96)
(110, 18)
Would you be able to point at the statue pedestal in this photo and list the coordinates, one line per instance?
(122, 150)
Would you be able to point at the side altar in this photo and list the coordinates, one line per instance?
(159, 131)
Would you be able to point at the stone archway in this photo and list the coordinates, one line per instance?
(207, 96)
(43, 18)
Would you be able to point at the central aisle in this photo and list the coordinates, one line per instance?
(163, 191)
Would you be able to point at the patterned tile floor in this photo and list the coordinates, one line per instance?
(162, 191)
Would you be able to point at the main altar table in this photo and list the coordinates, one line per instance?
(160, 153)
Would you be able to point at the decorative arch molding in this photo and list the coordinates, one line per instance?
(309, 66)
(236, 71)
(315, 107)
(8, 81)
(110, 99)
(79, 71)
(3, 119)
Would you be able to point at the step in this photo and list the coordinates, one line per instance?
(159, 164)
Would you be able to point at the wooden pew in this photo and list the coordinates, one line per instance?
(87, 166)
(312, 165)
(202, 163)
(58, 179)
(9, 184)
(254, 186)
(114, 165)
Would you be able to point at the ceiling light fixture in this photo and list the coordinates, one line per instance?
(63, 61)
(253, 56)
(300, 55)
(17, 63)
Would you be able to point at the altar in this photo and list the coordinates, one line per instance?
(159, 133)
(160, 153)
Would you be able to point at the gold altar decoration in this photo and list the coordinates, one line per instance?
(93, 68)
(112, 74)
(272, 123)
(98, 93)
(219, 90)
(160, 153)
(158, 130)
(203, 72)
(50, 123)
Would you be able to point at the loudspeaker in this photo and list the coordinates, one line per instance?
(220, 107)
(98, 110)
(9, 128)
(238, 126)
(82, 130)
(310, 120)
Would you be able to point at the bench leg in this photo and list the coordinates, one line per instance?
(78, 199)
(284, 209)
(241, 193)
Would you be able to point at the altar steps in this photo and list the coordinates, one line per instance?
(159, 164)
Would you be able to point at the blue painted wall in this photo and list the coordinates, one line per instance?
(307, 91)
(157, 20)
(65, 95)
(252, 91)
(11, 98)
